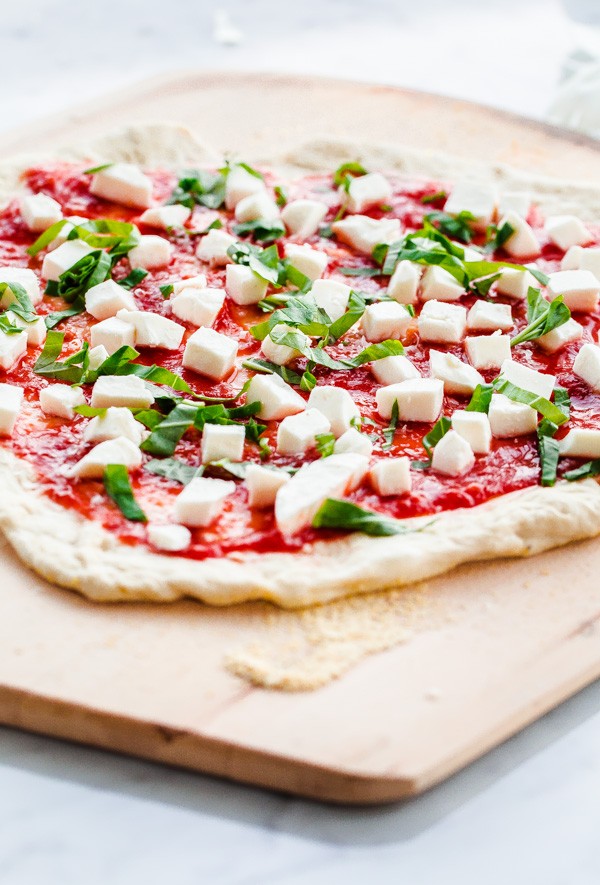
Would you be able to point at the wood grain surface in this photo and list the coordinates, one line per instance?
(516, 638)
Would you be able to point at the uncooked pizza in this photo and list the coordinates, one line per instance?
(229, 383)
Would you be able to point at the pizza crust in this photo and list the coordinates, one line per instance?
(76, 553)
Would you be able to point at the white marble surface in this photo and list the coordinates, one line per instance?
(525, 814)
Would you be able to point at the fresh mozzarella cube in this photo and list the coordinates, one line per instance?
(57, 262)
(337, 405)
(151, 252)
(303, 217)
(297, 433)
(210, 353)
(60, 400)
(222, 441)
(566, 231)
(24, 277)
(364, 233)
(514, 201)
(127, 391)
(332, 297)
(366, 191)
(39, 212)
(277, 399)
(241, 184)
(12, 347)
(391, 477)
(123, 183)
(469, 252)
(166, 217)
(153, 329)
(169, 537)
(353, 441)
(213, 247)
(458, 377)
(200, 307)
(36, 330)
(477, 198)
(557, 338)
(116, 421)
(442, 322)
(281, 354)
(587, 365)
(515, 283)
(310, 262)
(243, 285)
(202, 500)
(490, 317)
(299, 499)
(522, 376)
(197, 282)
(419, 399)
(475, 428)
(453, 455)
(97, 355)
(392, 369)
(580, 442)
(439, 285)
(259, 205)
(579, 288)
(112, 334)
(523, 242)
(578, 258)
(113, 451)
(488, 351)
(404, 282)
(11, 400)
(107, 299)
(508, 419)
(385, 319)
(263, 484)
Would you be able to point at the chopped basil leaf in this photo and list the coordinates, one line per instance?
(456, 226)
(118, 488)
(200, 187)
(375, 352)
(90, 270)
(308, 381)
(500, 236)
(281, 197)
(266, 367)
(164, 437)
(546, 408)
(95, 169)
(46, 238)
(90, 411)
(53, 319)
(337, 514)
(325, 444)
(173, 468)
(481, 398)
(7, 327)
(390, 430)
(47, 365)
(360, 271)
(434, 198)
(21, 306)
(326, 231)
(167, 290)
(548, 451)
(344, 174)
(264, 230)
(356, 308)
(590, 468)
(420, 465)
(106, 233)
(439, 430)
(134, 278)
(248, 168)
(543, 316)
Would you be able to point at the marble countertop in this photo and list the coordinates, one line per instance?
(527, 812)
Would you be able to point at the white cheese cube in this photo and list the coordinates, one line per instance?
(166, 217)
(117, 421)
(277, 399)
(240, 184)
(299, 499)
(303, 217)
(580, 442)
(490, 317)
(332, 297)
(404, 282)
(12, 347)
(523, 242)
(97, 355)
(391, 476)
(353, 441)
(311, 262)
(475, 428)
(107, 299)
(458, 377)
(222, 441)
(243, 285)
(60, 400)
(514, 201)
(364, 233)
(540, 383)
(566, 231)
(419, 399)
(169, 537)
(200, 307)
(36, 330)
(202, 500)
(213, 247)
(508, 419)
(578, 258)
(259, 205)
(579, 288)
(366, 191)
(127, 391)
(197, 282)
(587, 365)
(263, 483)
(123, 183)
(153, 329)
(112, 334)
(24, 277)
(210, 353)
(385, 319)
(453, 455)
(297, 433)
(442, 322)
(515, 283)
(113, 451)
(39, 212)
(475, 197)
(337, 405)
(488, 351)
(151, 252)
(439, 285)
(562, 335)
(392, 369)
(57, 262)
(281, 354)
(11, 400)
